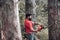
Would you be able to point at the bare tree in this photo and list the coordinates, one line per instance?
(53, 20)
(10, 20)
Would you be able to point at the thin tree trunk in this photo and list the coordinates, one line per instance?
(10, 20)
(53, 20)
(0, 20)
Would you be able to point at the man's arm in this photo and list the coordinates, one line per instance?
(31, 28)
(40, 27)
(35, 23)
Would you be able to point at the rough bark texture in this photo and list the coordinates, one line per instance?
(0, 21)
(10, 20)
(53, 20)
(30, 8)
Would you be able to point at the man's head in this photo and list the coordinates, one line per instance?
(29, 16)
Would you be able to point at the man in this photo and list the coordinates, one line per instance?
(29, 27)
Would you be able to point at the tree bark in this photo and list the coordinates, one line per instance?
(30, 8)
(53, 20)
(0, 21)
(10, 20)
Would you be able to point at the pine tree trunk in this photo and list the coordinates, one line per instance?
(30, 8)
(10, 20)
(0, 20)
(53, 20)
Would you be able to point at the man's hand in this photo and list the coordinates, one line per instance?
(40, 27)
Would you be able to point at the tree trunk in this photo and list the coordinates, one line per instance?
(53, 20)
(0, 21)
(10, 20)
(30, 8)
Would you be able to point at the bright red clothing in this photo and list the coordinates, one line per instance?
(28, 25)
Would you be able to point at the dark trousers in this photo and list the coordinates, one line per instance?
(31, 36)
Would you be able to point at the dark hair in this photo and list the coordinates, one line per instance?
(27, 15)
